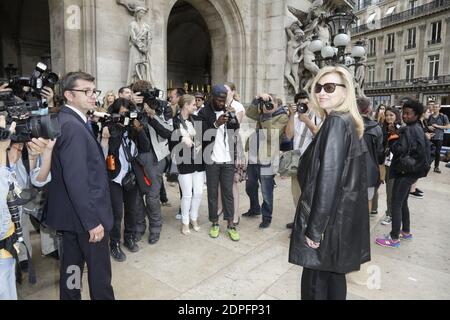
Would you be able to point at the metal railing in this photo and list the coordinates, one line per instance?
(434, 41)
(410, 46)
(417, 12)
(405, 83)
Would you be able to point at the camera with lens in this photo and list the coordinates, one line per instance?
(302, 108)
(40, 78)
(268, 105)
(28, 126)
(232, 118)
(153, 98)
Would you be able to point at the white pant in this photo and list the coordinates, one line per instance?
(48, 241)
(192, 189)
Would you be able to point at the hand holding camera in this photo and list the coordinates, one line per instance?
(265, 103)
(223, 119)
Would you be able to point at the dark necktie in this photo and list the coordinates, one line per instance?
(89, 127)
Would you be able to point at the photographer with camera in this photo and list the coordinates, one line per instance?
(79, 202)
(303, 126)
(121, 143)
(219, 125)
(8, 289)
(264, 154)
(158, 128)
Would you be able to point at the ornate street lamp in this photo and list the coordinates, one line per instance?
(339, 22)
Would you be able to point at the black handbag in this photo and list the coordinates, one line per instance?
(129, 182)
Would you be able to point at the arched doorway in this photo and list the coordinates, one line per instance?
(223, 22)
(188, 48)
(25, 30)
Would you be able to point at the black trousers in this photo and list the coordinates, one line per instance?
(76, 251)
(323, 285)
(437, 155)
(399, 207)
(121, 200)
(222, 174)
(163, 193)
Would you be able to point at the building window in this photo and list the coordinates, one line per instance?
(409, 70)
(390, 43)
(389, 72)
(434, 67)
(372, 47)
(411, 41)
(436, 28)
(371, 74)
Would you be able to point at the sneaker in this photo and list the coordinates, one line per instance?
(386, 221)
(416, 195)
(387, 242)
(116, 252)
(214, 232)
(420, 191)
(374, 212)
(250, 214)
(405, 236)
(234, 235)
(185, 229)
(265, 224)
(437, 170)
(179, 216)
(195, 226)
(153, 238)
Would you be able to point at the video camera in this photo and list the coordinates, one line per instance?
(27, 125)
(153, 98)
(40, 78)
(267, 104)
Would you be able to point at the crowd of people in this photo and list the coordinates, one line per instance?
(107, 168)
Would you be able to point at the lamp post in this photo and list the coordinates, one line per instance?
(339, 23)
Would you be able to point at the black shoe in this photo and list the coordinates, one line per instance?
(265, 224)
(138, 236)
(437, 170)
(419, 191)
(416, 195)
(116, 252)
(24, 265)
(374, 212)
(250, 214)
(130, 244)
(154, 238)
(54, 255)
(290, 225)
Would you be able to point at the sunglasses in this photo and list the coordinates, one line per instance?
(328, 87)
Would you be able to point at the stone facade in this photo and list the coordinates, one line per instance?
(246, 38)
(430, 20)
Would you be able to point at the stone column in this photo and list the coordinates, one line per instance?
(399, 63)
(446, 60)
(380, 67)
(421, 42)
(72, 34)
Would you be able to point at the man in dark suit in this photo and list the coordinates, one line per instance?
(79, 204)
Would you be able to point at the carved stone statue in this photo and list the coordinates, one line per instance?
(139, 67)
(312, 23)
(294, 46)
(360, 77)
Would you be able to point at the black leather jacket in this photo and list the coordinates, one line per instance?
(333, 208)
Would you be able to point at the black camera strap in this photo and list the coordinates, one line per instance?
(127, 148)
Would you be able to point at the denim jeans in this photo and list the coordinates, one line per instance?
(8, 279)
(254, 178)
(399, 209)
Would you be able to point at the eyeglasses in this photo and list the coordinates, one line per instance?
(89, 93)
(198, 100)
(328, 87)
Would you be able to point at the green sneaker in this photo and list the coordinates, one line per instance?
(214, 232)
(234, 235)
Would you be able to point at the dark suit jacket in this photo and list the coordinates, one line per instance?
(78, 195)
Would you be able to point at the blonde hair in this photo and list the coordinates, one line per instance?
(186, 99)
(349, 105)
(105, 99)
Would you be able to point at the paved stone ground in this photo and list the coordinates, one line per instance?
(198, 267)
